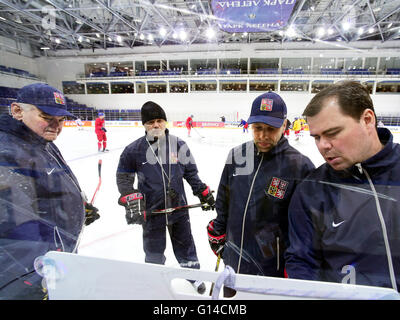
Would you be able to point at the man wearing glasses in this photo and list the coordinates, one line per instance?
(42, 206)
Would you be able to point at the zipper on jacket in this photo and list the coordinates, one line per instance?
(383, 226)
(277, 253)
(245, 212)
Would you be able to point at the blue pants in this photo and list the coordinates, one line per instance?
(154, 243)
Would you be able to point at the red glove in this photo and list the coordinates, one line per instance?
(215, 239)
(206, 197)
(135, 207)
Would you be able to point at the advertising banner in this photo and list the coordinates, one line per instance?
(252, 16)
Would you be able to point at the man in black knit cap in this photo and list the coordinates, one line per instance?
(161, 161)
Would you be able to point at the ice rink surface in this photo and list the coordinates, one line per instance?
(111, 237)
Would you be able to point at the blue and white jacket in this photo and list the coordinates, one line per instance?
(252, 205)
(345, 225)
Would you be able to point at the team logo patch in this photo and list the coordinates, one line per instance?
(266, 104)
(59, 98)
(174, 158)
(277, 188)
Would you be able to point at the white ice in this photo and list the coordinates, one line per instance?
(110, 237)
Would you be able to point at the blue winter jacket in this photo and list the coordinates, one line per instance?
(252, 205)
(335, 231)
(41, 205)
(162, 188)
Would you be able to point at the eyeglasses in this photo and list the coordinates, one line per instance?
(48, 118)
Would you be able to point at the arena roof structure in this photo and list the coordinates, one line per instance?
(51, 25)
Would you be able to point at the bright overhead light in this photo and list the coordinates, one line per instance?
(371, 30)
(330, 31)
(4, 19)
(321, 32)
(360, 31)
(175, 35)
(97, 35)
(346, 25)
(290, 32)
(57, 40)
(150, 37)
(141, 37)
(119, 38)
(182, 35)
(210, 33)
(80, 39)
(162, 32)
(45, 48)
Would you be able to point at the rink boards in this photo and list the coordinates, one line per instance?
(77, 277)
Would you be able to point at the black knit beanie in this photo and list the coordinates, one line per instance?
(151, 110)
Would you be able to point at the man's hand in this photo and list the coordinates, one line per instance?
(135, 207)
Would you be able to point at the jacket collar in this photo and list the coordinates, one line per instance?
(19, 129)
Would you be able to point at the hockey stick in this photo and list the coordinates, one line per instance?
(197, 132)
(99, 184)
(188, 206)
(216, 269)
(94, 195)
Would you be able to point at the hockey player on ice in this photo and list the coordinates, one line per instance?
(245, 125)
(160, 166)
(189, 124)
(100, 131)
(79, 124)
(297, 128)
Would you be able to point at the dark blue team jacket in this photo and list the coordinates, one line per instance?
(41, 205)
(139, 158)
(259, 236)
(335, 231)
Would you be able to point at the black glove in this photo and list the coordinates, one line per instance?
(135, 207)
(206, 197)
(104, 129)
(90, 213)
(215, 239)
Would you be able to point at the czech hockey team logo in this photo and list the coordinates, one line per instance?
(59, 98)
(266, 104)
(277, 188)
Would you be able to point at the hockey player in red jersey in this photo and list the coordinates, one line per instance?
(189, 124)
(100, 131)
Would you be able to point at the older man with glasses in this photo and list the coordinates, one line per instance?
(42, 207)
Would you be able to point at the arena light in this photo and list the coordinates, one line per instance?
(162, 31)
(360, 31)
(320, 32)
(346, 25)
(182, 35)
(210, 33)
(291, 32)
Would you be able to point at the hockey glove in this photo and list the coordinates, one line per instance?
(215, 239)
(207, 198)
(90, 213)
(104, 129)
(135, 207)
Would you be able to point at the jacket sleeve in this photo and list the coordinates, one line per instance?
(223, 198)
(21, 228)
(126, 172)
(303, 257)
